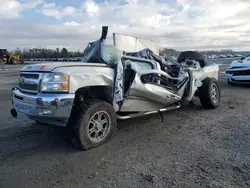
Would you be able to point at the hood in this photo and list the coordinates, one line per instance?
(50, 66)
(240, 64)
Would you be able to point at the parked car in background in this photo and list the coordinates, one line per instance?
(222, 56)
(230, 55)
(239, 71)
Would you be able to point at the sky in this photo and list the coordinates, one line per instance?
(178, 24)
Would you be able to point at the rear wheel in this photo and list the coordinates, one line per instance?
(210, 94)
(93, 123)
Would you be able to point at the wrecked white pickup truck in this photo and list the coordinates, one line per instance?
(120, 81)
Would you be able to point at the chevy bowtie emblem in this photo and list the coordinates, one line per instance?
(21, 80)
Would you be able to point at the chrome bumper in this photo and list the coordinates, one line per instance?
(46, 108)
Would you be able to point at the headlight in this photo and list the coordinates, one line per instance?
(55, 82)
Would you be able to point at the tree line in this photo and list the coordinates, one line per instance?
(64, 53)
(46, 53)
(174, 52)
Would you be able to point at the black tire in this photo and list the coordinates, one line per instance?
(193, 55)
(206, 96)
(79, 123)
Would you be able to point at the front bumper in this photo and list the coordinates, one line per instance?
(240, 79)
(46, 108)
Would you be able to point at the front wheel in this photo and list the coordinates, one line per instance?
(210, 94)
(93, 124)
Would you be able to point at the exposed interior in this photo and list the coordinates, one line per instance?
(145, 59)
(172, 85)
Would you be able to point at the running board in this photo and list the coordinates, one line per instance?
(148, 113)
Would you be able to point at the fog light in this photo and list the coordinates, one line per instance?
(42, 112)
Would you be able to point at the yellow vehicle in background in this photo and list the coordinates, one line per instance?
(9, 58)
(13, 59)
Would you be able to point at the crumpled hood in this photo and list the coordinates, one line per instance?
(50, 66)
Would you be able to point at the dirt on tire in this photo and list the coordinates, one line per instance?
(77, 125)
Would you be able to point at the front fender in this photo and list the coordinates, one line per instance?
(88, 76)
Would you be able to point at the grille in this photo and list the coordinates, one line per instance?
(32, 87)
(29, 82)
(243, 81)
(239, 73)
(30, 76)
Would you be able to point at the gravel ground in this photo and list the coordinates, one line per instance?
(193, 147)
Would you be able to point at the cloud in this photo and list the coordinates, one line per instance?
(10, 9)
(68, 11)
(30, 4)
(180, 24)
(72, 23)
(91, 8)
(49, 5)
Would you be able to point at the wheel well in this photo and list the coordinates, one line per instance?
(103, 93)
